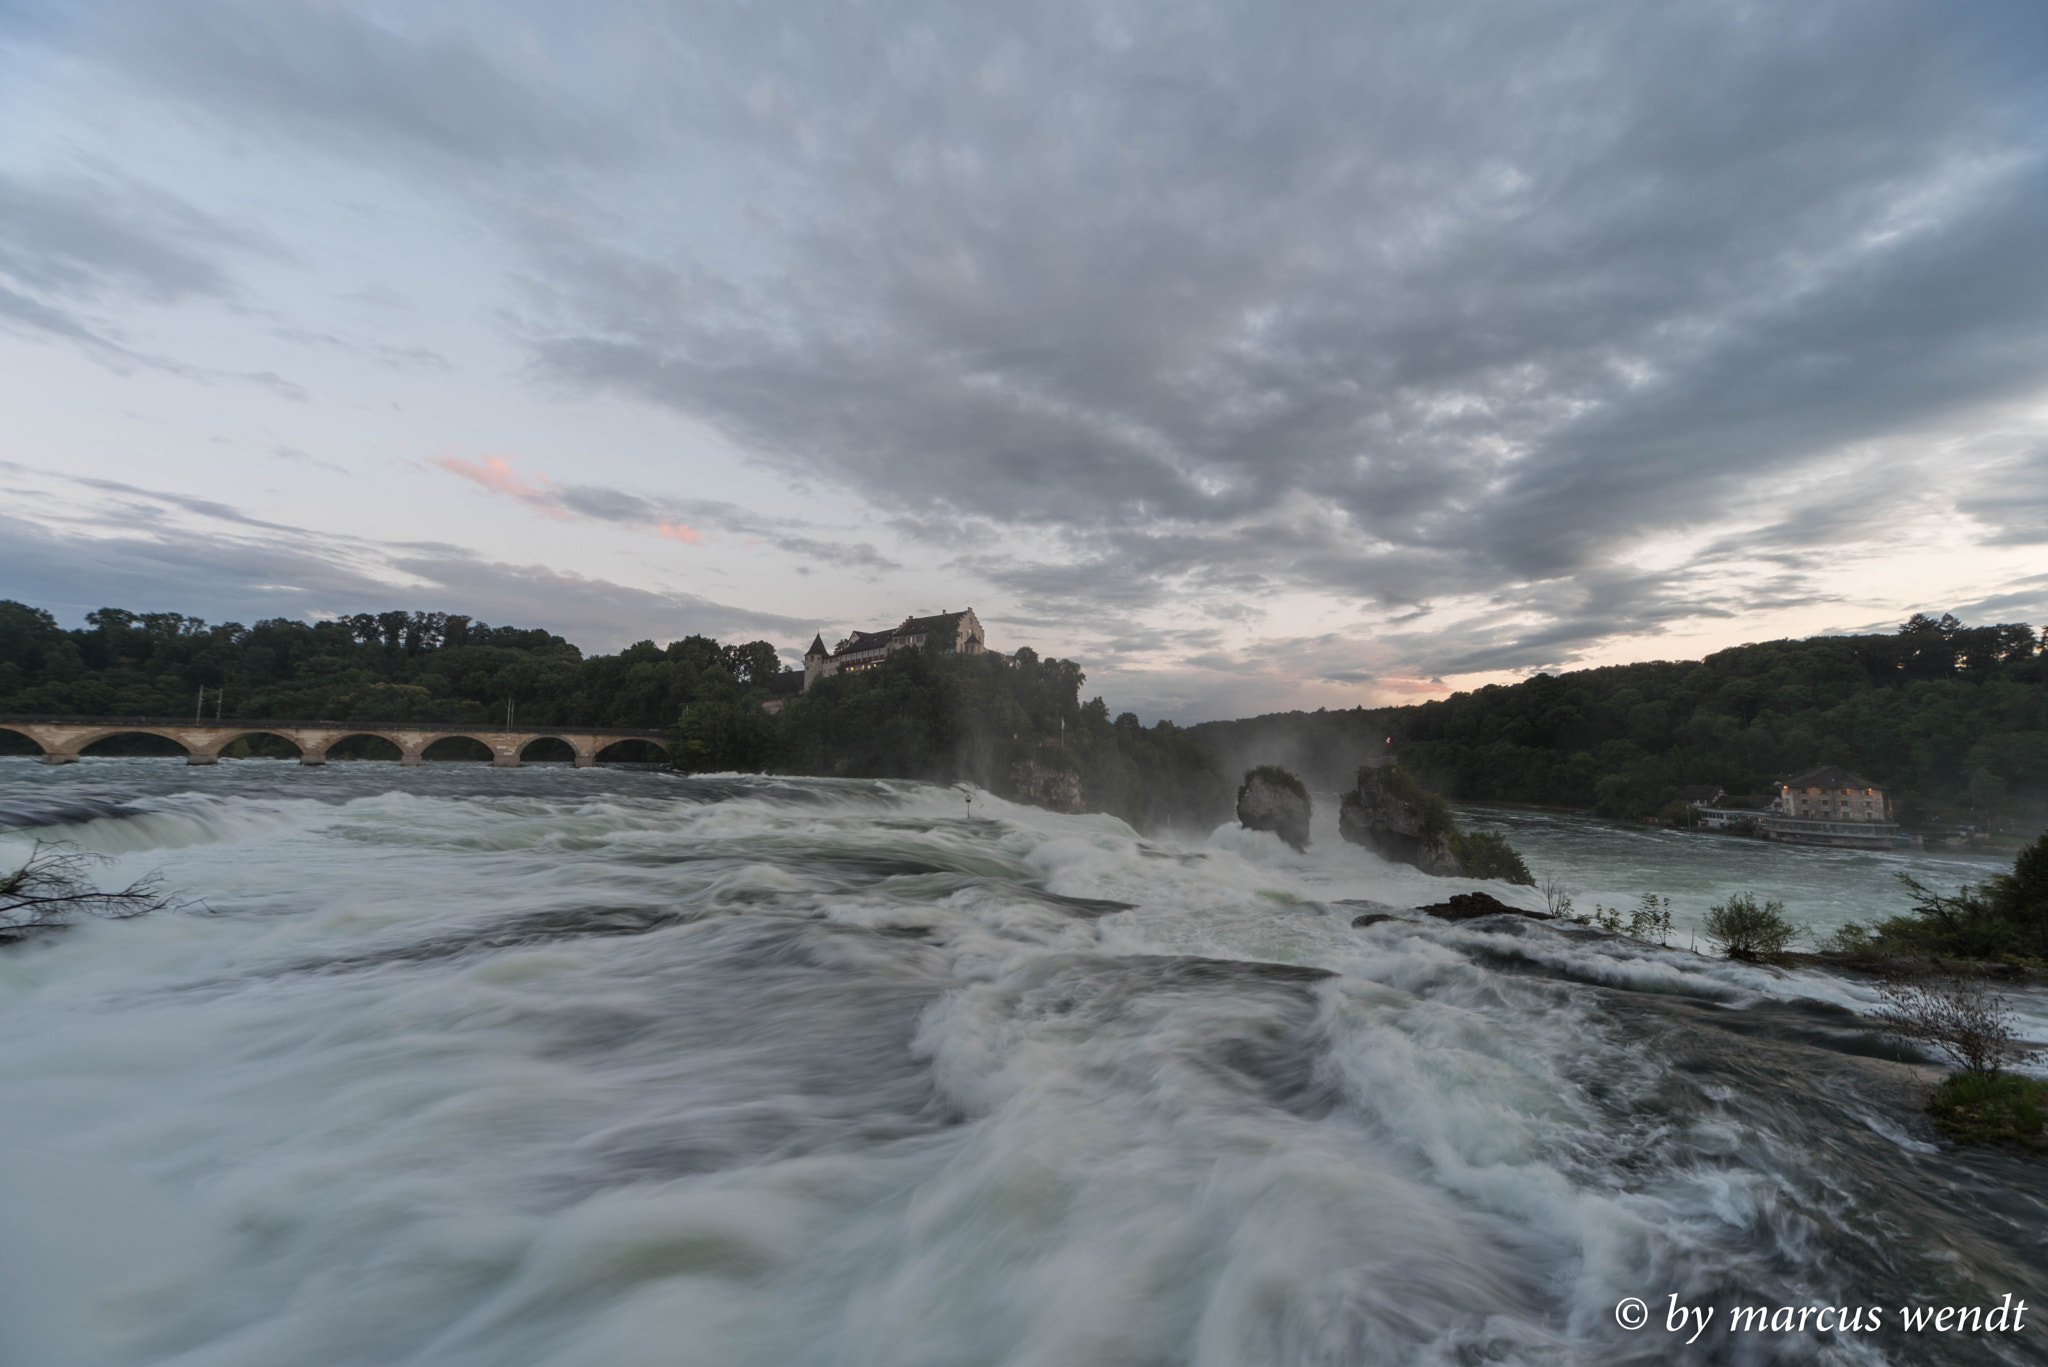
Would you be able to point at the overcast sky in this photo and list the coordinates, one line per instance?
(1255, 356)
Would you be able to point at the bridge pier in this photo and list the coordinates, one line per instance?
(54, 758)
(195, 757)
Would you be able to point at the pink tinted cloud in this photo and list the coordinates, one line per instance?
(493, 472)
(496, 474)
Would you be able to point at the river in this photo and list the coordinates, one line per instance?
(462, 1067)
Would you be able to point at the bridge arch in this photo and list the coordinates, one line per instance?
(263, 732)
(322, 749)
(605, 753)
(81, 744)
(554, 750)
(429, 741)
(9, 734)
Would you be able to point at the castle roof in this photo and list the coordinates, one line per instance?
(817, 647)
(913, 625)
(1829, 776)
(910, 626)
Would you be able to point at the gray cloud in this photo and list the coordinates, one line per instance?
(84, 237)
(235, 567)
(1209, 303)
(298, 457)
(326, 72)
(2023, 600)
(2014, 505)
(1512, 293)
(680, 519)
(79, 251)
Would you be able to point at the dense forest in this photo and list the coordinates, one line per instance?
(393, 666)
(1018, 730)
(1953, 720)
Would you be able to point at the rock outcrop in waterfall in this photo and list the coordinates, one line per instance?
(1271, 799)
(1397, 818)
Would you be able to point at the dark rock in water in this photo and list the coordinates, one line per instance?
(1398, 825)
(1371, 918)
(1087, 908)
(1467, 906)
(1271, 799)
(1187, 970)
(1397, 818)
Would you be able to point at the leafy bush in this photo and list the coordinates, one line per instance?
(1748, 929)
(2005, 917)
(1487, 854)
(1650, 922)
(1991, 1108)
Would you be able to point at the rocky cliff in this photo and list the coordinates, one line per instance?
(1271, 799)
(1396, 818)
(1043, 786)
(1397, 822)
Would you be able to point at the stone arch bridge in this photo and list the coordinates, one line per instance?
(62, 738)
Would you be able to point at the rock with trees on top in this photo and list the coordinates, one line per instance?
(1398, 819)
(1271, 799)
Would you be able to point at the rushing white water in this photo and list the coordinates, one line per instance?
(549, 1066)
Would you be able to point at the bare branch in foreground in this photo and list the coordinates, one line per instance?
(1970, 1026)
(56, 882)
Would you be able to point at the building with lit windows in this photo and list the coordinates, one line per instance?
(1831, 806)
(952, 633)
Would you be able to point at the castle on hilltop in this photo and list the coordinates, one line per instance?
(953, 632)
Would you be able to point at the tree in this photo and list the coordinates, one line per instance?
(1987, 793)
(55, 883)
(756, 662)
(1748, 929)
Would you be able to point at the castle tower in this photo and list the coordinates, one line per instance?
(814, 662)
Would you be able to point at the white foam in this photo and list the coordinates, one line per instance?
(835, 1107)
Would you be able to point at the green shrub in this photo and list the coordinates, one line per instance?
(1993, 1108)
(1854, 939)
(1650, 922)
(1487, 854)
(1748, 929)
(1275, 775)
(2006, 916)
